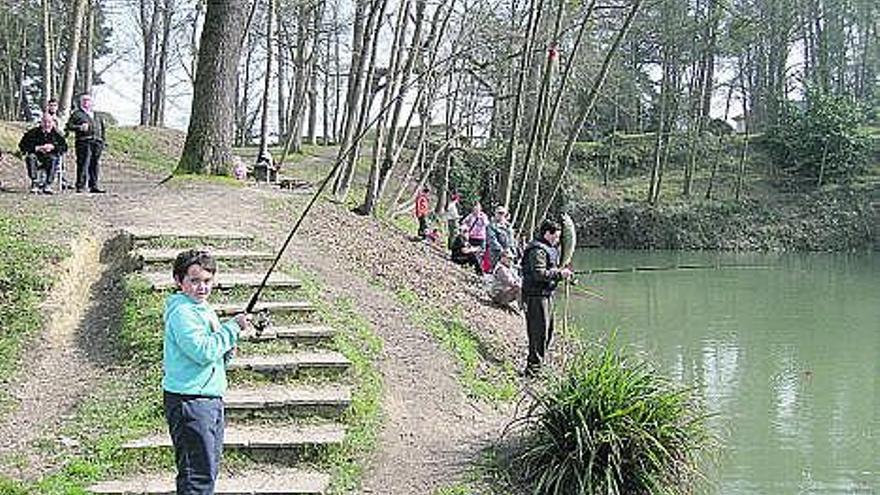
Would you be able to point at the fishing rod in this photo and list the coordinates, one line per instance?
(261, 322)
(658, 268)
(579, 289)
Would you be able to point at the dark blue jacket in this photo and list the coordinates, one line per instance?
(540, 269)
(37, 137)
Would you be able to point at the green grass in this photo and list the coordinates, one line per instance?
(123, 408)
(141, 333)
(481, 377)
(25, 278)
(141, 147)
(10, 135)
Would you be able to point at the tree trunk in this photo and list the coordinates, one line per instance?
(282, 77)
(74, 37)
(312, 79)
(327, 128)
(312, 128)
(263, 153)
(362, 95)
(822, 164)
(371, 197)
(48, 58)
(337, 78)
(160, 94)
(506, 180)
(208, 145)
(588, 109)
(397, 139)
(242, 125)
(149, 20)
(88, 51)
(23, 110)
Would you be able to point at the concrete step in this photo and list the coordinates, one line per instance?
(281, 307)
(276, 397)
(277, 482)
(165, 280)
(292, 363)
(169, 238)
(159, 256)
(297, 333)
(259, 437)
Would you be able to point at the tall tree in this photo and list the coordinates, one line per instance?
(586, 111)
(208, 145)
(263, 153)
(74, 37)
(48, 59)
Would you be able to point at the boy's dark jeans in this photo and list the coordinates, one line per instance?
(196, 427)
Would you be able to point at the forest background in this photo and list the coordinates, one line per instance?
(733, 124)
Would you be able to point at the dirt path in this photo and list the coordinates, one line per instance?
(431, 430)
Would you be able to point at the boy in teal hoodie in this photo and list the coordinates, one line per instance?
(194, 378)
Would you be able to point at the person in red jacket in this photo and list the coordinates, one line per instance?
(422, 208)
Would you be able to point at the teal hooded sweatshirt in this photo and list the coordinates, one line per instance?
(194, 347)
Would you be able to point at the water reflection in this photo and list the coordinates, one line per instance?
(783, 347)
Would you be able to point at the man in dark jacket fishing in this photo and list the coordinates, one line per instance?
(540, 274)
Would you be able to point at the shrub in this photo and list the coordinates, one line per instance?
(609, 424)
(473, 174)
(822, 142)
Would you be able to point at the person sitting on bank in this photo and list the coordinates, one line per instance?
(42, 147)
(506, 282)
(476, 223)
(500, 235)
(465, 254)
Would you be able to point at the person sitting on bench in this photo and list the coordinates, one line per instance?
(42, 147)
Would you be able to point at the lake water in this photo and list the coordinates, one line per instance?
(784, 348)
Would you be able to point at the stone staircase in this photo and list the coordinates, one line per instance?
(287, 387)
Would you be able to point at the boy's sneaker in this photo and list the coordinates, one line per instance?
(47, 190)
(35, 190)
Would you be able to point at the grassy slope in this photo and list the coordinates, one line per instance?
(25, 277)
(771, 215)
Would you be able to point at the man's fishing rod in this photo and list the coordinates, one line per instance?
(658, 268)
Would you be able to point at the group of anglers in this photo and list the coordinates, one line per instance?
(518, 276)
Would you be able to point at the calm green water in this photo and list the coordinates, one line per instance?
(786, 351)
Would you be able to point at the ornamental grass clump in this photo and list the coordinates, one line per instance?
(609, 424)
